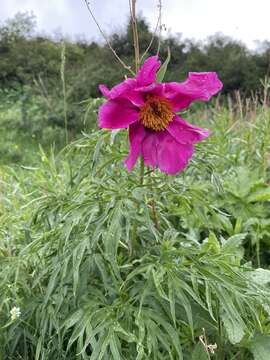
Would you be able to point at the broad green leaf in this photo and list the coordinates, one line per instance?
(162, 71)
(235, 329)
(233, 243)
(260, 347)
(260, 276)
(199, 352)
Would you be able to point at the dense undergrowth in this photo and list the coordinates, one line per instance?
(103, 267)
(29, 118)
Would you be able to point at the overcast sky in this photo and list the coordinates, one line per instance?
(247, 20)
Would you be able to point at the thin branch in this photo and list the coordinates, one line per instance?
(209, 348)
(132, 6)
(158, 26)
(107, 40)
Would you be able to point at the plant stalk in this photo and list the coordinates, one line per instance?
(132, 4)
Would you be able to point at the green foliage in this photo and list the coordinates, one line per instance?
(30, 116)
(97, 274)
(260, 347)
(27, 57)
(102, 266)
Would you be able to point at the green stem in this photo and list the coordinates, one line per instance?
(258, 252)
(141, 171)
(62, 71)
(221, 340)
(153, 204)
(134, 239)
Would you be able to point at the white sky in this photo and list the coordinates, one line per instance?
(247, 20)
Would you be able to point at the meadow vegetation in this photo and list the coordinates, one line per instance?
(95, 264)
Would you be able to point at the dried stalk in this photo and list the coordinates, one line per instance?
(158, 26)
(63, 80)
(125, 66)
(209, 348)
(132, 6)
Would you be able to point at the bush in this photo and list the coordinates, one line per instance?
(102, 267)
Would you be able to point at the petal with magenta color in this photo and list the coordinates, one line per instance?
(117, 114)
(149, 149)
(160, 149)
(198, 86)
(173, 157)
(104, 91)
(126, 90)
(185, 133)
(148, 71)
(136, 135)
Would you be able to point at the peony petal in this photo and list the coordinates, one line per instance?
(134, 89)
(152, 89)
(104, 90)
(135, 97)
(161, 150)
(117, 114)
(125, 90)
(149, 149)
(185, 133)
(148, 71)
(173, 157)
(136, 135)
(198, 86)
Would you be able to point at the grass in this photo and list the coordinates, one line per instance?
(29, 118)
(98, 275)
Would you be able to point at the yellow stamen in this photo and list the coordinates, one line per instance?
(156, 113)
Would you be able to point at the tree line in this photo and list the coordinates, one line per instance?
(27, 58)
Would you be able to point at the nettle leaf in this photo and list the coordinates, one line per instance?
(233, 243)
(242, 182)
(231, 315)
(260, 276)
(235, 329)
(260, 347)
(162, 71)
(233, 246)
(211, 245)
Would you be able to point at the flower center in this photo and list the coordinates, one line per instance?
(156, 113)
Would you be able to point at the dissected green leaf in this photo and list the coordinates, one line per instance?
(260, 347)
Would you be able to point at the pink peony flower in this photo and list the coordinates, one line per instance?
(148, 108)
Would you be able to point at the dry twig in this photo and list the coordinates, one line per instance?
(125, 66)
